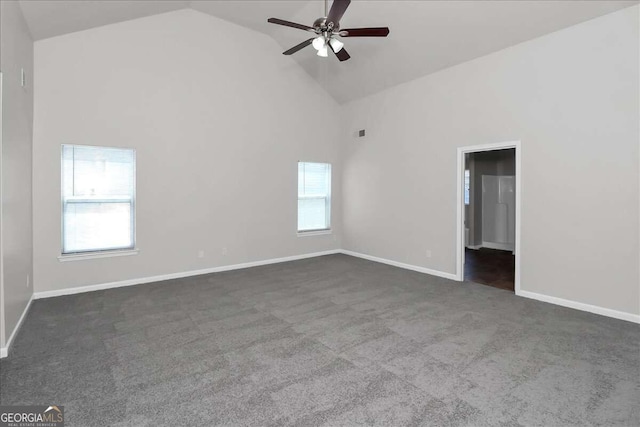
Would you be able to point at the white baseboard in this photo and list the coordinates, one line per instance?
(149, 279)
(629, 317)
(4, 351)
(70, 291)
(635, 318)
(500, 246)
(425, 270)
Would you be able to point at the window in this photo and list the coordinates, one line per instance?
(467, 183)
(98, 199)
(314, 196)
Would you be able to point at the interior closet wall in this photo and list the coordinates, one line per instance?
(498, 162)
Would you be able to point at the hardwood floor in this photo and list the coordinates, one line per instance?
(490, 267)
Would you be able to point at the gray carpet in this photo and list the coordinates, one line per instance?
(333, 340)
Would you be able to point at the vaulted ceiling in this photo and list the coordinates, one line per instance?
(426, 36)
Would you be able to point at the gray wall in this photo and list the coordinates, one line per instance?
(219, 118)
(175, 87)
(571, 98)
(499, 162)
(16, 52)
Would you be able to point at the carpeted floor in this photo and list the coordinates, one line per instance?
(333, 340)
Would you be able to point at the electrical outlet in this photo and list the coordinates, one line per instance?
(428, 253)
(224, 251)
(23, 78)
(200, 253)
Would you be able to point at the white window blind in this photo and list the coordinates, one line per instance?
(98, 199)
(314, 196)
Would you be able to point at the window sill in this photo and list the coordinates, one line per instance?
(313, 232)
(95, 255)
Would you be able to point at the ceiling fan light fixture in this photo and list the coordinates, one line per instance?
(336, 44)
(319, 43)
(323, 51)
(325, 28)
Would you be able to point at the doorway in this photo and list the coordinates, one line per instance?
(488, 215)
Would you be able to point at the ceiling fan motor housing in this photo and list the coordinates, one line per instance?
(320, 25)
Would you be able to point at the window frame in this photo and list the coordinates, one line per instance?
(106, 252)
(467, 188)
(315, 231)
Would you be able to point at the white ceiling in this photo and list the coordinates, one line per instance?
(426, 36)
(49, 18)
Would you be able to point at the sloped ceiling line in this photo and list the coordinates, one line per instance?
(426, 36)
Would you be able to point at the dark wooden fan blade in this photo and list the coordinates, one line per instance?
(298, 47)
(290, 24)
(338, 8)
(365, 32)
(342, 55)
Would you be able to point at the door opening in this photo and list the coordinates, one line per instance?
(488, 215)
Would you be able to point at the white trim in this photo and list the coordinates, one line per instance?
(70, 291)
(425, 270)
(499, 246)
(629, 317)
(460, 245)
(141, 280)
(314, 232)
(4, 351)
(94, 255)
(635, 318)
(2, 331)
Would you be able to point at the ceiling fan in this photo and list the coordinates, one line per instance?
(327, 28)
